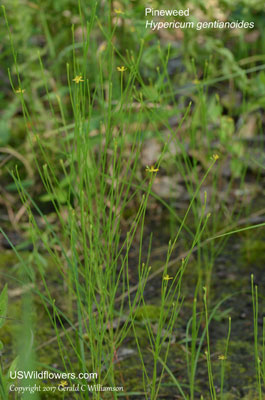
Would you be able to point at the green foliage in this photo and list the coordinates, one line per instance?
(3, 312)
(3, 305)
(79, 168)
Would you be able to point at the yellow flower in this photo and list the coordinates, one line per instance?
(63, 383)
(222, 357)
(78, 79)
(196, 81)
(121, 69)
(151, 169)
(215, 157)
(118, 11)
(167, 277)
(19, 90)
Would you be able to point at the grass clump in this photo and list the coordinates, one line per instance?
(105, 135)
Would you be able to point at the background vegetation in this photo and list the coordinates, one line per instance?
(132, 178)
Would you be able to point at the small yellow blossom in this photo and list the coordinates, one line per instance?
(215, 157)
(78, 79)
(167, 277)
(222, 357)
(63, 383)
(118, 11)
(121, 69)
(151, 169)
(19, 90)
(196, 82)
